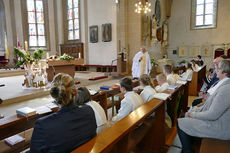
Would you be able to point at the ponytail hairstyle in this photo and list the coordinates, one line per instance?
(146, 80)
(63, 89)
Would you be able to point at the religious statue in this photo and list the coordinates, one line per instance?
(154, 28)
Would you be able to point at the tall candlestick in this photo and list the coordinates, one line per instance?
(47, 55)
(26, 46)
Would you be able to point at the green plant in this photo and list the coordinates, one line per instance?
(153, 61)
(182, 62)
(26, 57)
(65, 57)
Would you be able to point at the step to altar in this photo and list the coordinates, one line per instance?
(12, 72)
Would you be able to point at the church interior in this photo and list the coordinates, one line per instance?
(98, 47)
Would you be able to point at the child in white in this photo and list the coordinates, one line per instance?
(130, 102)
(148, 91)
(84, 97)
(162, 83)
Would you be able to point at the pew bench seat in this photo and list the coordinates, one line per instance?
(215, 146)
(4, 148)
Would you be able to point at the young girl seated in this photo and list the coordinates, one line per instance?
(162, 83)
(187, 75)
(148, 91)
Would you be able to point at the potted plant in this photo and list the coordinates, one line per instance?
(154, 65)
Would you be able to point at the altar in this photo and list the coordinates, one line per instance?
(62, 66)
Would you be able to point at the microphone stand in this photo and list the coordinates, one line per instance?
(112, 64)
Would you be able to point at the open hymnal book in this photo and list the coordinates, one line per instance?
(16, 139)
(26, 111)
(161, 96)
(181, 82)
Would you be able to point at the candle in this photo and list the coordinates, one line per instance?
(26, 46)
(47, 55)
(79, 55)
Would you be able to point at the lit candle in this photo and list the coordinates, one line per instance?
(79, 55)
(26, 46)
(47, 55)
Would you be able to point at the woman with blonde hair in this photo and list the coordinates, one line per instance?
(69, 127)
(148, 91)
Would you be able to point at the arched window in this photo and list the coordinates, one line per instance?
(37, 23)
(2, 25)
(72, 24)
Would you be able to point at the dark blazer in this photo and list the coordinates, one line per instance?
(63, 131)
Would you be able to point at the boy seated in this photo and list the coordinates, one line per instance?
(130, 102)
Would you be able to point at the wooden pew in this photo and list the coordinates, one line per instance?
(214, 146)
(16, 124)
(197, 80)
(124, 135)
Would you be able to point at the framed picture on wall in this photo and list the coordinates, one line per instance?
(93, 31)
(206, 50)
(183, 51)
(194, 51)
(106, 32)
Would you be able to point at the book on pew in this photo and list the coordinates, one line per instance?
(172, 87)
(181, 82)
(105, 87)
(161, 96)
(43, 110)
(26, 111)
(52, 105)
(115, 98)
(93, 92)
(14, 140)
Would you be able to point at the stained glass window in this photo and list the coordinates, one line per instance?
(2, 26)
(73, 19)
(36, 23)
(204, 14)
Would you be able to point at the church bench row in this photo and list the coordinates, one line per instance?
(136, 118)
(118, 139)
(124, 135)
(197, 81)
(29, 123)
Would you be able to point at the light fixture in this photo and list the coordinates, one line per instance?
(143, 6)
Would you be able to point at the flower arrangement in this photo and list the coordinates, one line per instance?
(27, 58)
(65, 57)
(153, 61)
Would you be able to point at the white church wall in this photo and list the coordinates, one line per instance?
(101, 12)
(181, 34)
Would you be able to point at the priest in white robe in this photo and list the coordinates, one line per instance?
(141, 63)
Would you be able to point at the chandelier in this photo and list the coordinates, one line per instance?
(143, 6)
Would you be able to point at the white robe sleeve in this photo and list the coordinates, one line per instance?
(148, 64)
(125, 109)
(136, 65)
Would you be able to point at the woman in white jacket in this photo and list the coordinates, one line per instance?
(148, 91)
(84, 98)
